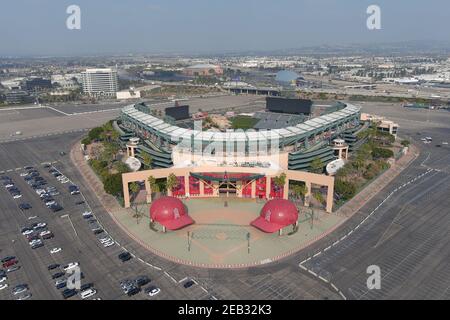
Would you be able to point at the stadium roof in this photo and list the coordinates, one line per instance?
(287, 131)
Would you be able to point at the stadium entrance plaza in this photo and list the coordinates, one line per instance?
(219, 237)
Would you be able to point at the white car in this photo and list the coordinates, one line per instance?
(40, 191)
(49, 203)
(27, 232)
(9, 185)
(88, 293)
(17, 196)
(61, 178)
(33, 242)
(55, 250)
(3, 286)
(41, 225)
(108, 244)
(24, 174)
(104, 240)
(33, 217)
(70, 266)
(44, 233)
(445, 143)
(25, 297)
(64, 181)
(153, 292)
(3, 279)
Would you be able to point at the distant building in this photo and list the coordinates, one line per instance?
(37, 84)
(203, 70)
(66, 82)
(128, 94)
(13, 84)
(100, 82)
(383, 125)
(17, 97)
(286, 77)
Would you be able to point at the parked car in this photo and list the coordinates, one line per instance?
(132, 291)
(152, 291)
(125, 256)
(188, 284)
(88, 293)
(48, 236)
(13, 268)
(26, 296)
(61, 283)
(24, 206)
(21, 288)
(53, 266)
(142, 281)
(10, 263)
(55, 250)
(9, 258)
(86, 286)
(58, 275)
(68, 293)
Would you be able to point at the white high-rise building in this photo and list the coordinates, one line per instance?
(100, 82)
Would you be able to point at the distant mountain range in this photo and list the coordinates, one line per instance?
(395, 48)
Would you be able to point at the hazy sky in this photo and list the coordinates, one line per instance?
(38, 27)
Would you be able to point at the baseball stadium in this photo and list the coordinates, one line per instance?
(230, 201)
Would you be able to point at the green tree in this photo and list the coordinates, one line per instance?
(153, 184)
(299, 190)
(147, 160)
(381, 153)
(280, 181)
(95, 133)
(113, 184)
(345, 189)
(172, 182)
(121, 167)
(406, 143)
(317, 165)
(110, 151)
(134, 188)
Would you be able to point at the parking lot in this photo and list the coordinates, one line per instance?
(72, 235)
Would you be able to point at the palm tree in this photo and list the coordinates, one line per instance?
(147, 160)
(280, 180)
(134, 188)
(172, 182)
(153, 185)
(317, 165)
(299, 191)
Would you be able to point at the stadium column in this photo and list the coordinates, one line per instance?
(268, 186)
(308, 193)
(202, 188)
(330, 197)
(126, 193)
(286, 189)
(148, 189)
(253, 189)
(187, 190)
